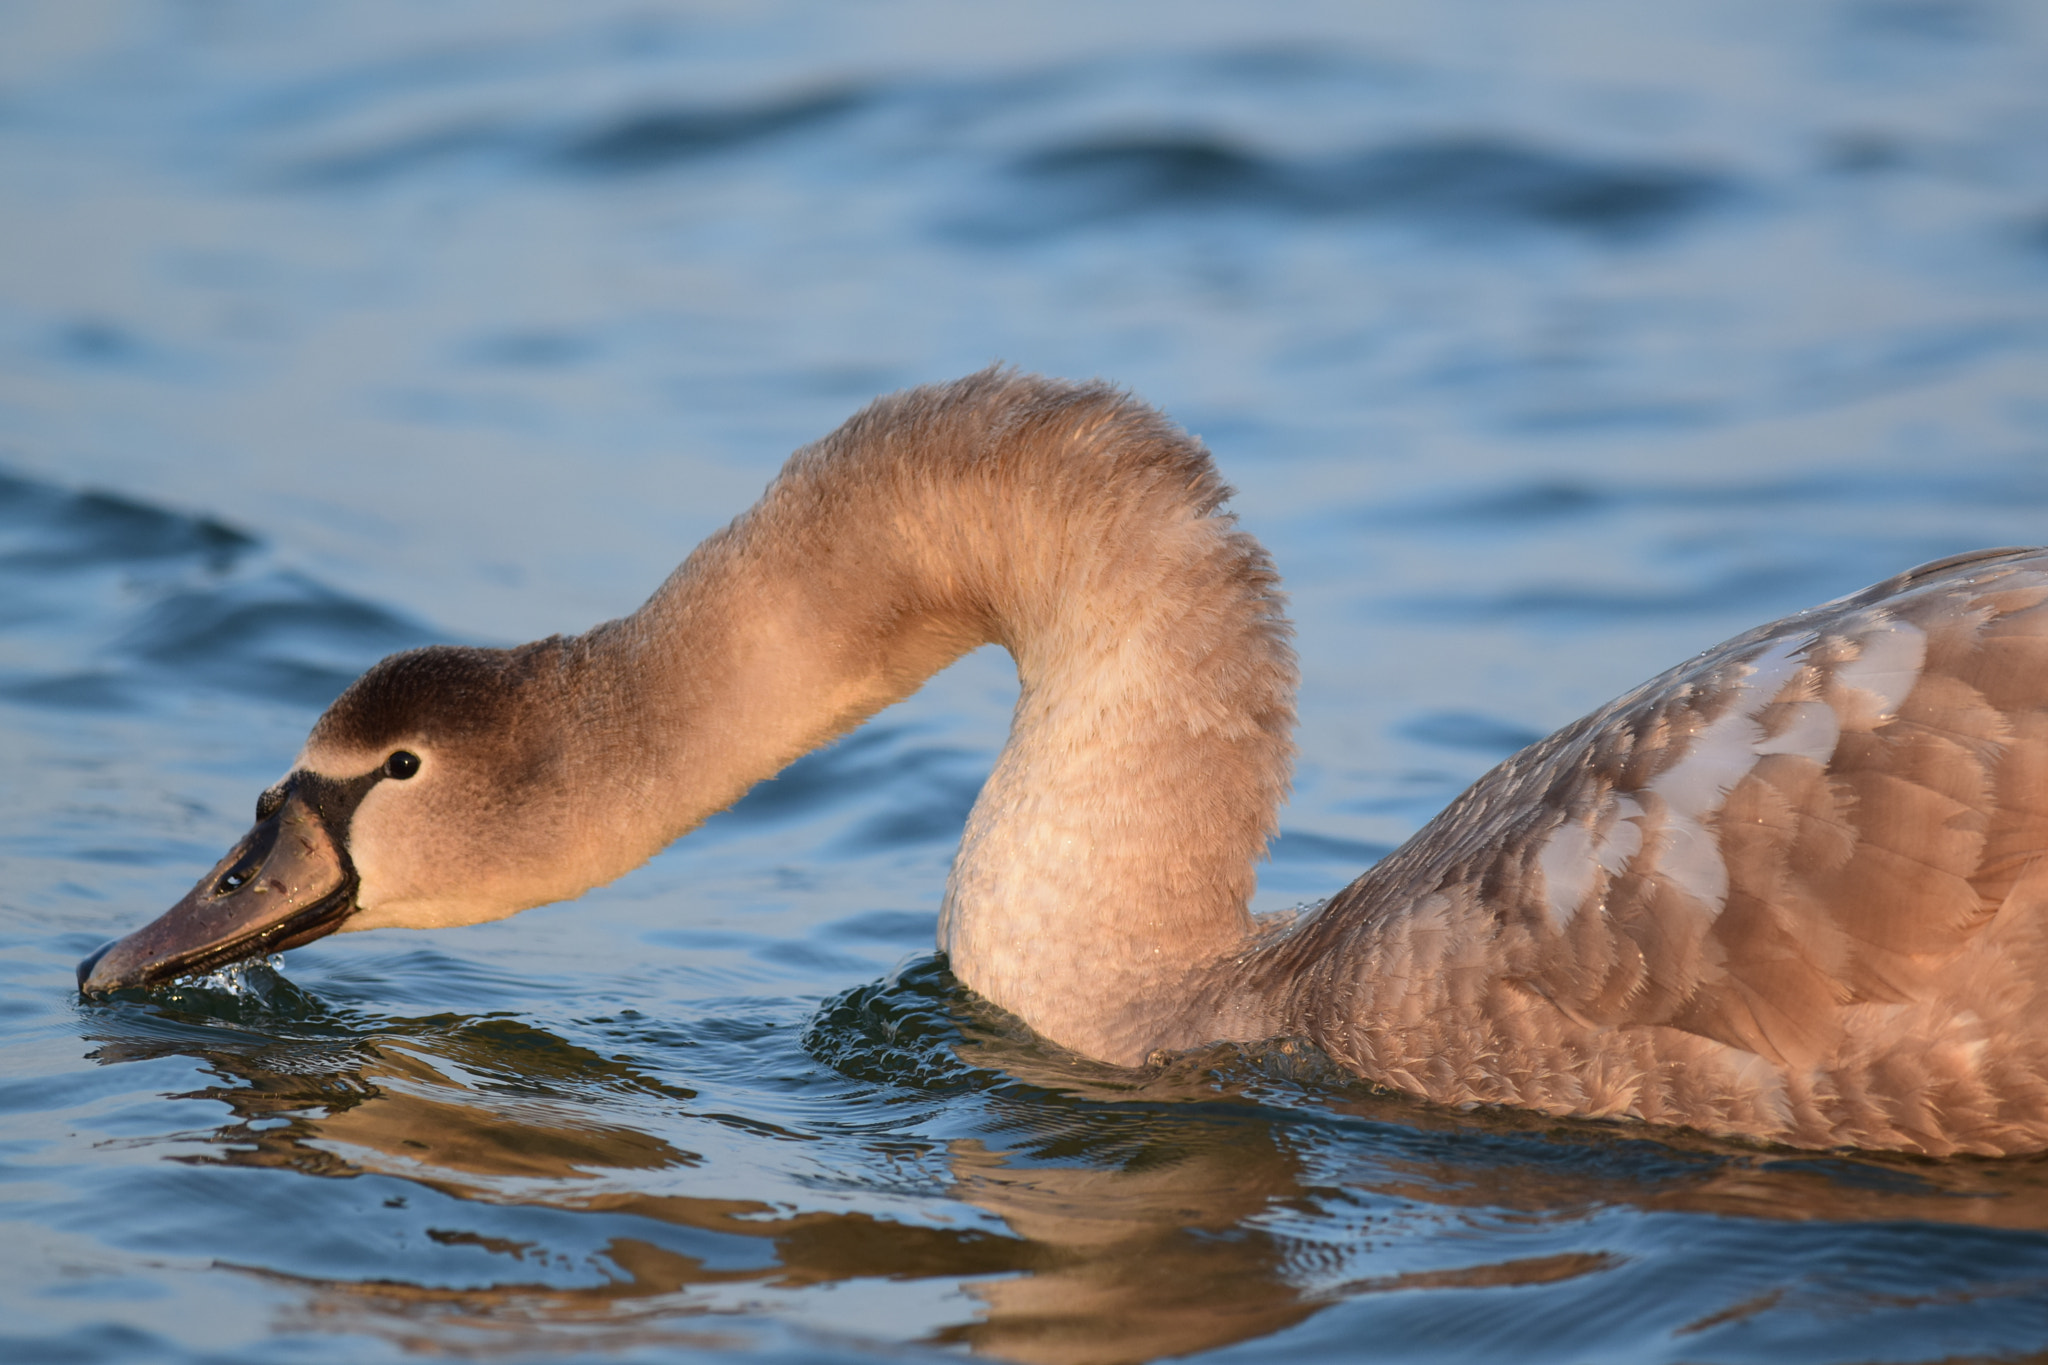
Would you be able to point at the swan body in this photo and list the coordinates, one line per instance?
(1792, 889)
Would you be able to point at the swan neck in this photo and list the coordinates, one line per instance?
(1106, 866)
(1108, 863)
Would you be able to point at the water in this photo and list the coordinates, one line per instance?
(1546, 345)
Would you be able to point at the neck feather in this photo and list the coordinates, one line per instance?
(1108, 864)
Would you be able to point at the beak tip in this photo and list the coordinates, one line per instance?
(285, 892)
(85, 968)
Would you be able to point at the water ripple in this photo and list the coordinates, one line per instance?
(110, 602)
(653, 138)
(1474, 184)
(1542, 339)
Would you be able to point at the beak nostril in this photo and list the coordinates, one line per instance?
(236, 877)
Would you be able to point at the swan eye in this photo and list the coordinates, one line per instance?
(402, 764)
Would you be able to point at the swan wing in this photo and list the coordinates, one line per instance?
(1830, 812)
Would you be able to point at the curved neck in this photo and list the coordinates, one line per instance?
(1108, 861)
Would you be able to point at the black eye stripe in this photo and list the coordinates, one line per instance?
(402, 764)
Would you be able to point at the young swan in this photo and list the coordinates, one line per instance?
(1792, 889)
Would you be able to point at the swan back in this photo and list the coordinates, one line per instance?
(1793, 888)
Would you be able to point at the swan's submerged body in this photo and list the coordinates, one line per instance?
(1788, 890)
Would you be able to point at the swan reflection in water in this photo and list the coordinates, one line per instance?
(1092, 1215)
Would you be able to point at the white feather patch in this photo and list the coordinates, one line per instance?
(1812, 732)
(1580, 855)
(1721, 755)
(1621, 834)
(1689, 857)
(1577, 853)
(1566, 860)
(1892, 655)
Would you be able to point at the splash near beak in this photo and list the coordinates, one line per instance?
(288, 882)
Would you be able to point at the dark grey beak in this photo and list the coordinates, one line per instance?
(288, 882)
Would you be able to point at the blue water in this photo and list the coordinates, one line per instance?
(1546, 345)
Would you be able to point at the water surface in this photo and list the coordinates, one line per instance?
(1546, 346)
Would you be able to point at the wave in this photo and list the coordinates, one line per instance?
(1474, 182)
(631, 142)
(953, 137)
(656, 137)
(108, 603)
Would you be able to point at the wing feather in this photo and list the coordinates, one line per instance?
(1825, 829)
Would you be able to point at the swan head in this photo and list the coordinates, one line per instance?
(433, 792)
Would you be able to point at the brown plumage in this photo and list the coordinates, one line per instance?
(1828, 932)
(1791, 889)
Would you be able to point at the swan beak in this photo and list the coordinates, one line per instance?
(288, 882)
